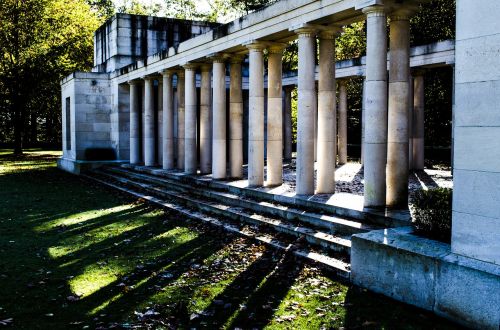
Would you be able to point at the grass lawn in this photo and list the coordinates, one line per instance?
(74, 255)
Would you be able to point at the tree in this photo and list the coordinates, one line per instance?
(41, 41)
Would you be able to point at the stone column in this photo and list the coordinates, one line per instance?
(190, 120)
(410, 123)
(149, 122)
(236, 118)
(256, 116)
(168, 121)
(306, 111)
(287, 122)
(274, 116)
(327, 114)
(418, 122)
(397, 140)
(375, 146)
(180, 119)
(342, 124)
(135, 115)
(159, 126)
(206, 119)
(219, 119)
(363, 121)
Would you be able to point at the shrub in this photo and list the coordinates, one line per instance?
(432, 213)
(100, 154)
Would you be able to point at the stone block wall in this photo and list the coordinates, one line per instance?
(125, 38)
(89, 98)
(476, 200)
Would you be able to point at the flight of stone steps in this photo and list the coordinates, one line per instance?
(309, 232)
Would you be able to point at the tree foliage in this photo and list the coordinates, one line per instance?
(41, 41)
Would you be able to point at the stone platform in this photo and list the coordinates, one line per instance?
(347, 201)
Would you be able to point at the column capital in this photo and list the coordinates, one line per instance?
(217, 57)
(167, 72)
(342, 82)
(402, 14)
(134, 82)
(190, 66)
(276, 47)
(329, 32)
(373, 11)
(304, 30)
(255, 45)
(236, 58)
(417, 72)
(146, 78)
(180, 73)
(205, 67)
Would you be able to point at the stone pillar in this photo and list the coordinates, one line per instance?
(274, 116)
(410, 123)
(159, 126)
(190, 120)
(287, 123)
(375, 146)
(180, 119)
(256, 116)
(306, 111)
(327, 114)
(363, 121)
(135, 115)
(342, 124)
(236, 118)
(399, 89)
(418, 122)
(206, 119)
(168, 121)
(149, 122)
(219, 119)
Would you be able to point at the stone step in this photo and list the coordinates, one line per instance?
(382, 218)
(314, 237)
(337, 265)
(333, 225)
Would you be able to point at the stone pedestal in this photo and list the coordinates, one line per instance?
(219, 119)
(135, 113)
(397, 140)
(306, 112)
(375, 145)
(256, 116)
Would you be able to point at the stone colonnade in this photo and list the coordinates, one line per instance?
(392, 134)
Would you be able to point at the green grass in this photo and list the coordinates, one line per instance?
(75, 255)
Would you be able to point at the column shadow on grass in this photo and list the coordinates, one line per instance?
(252, 297)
